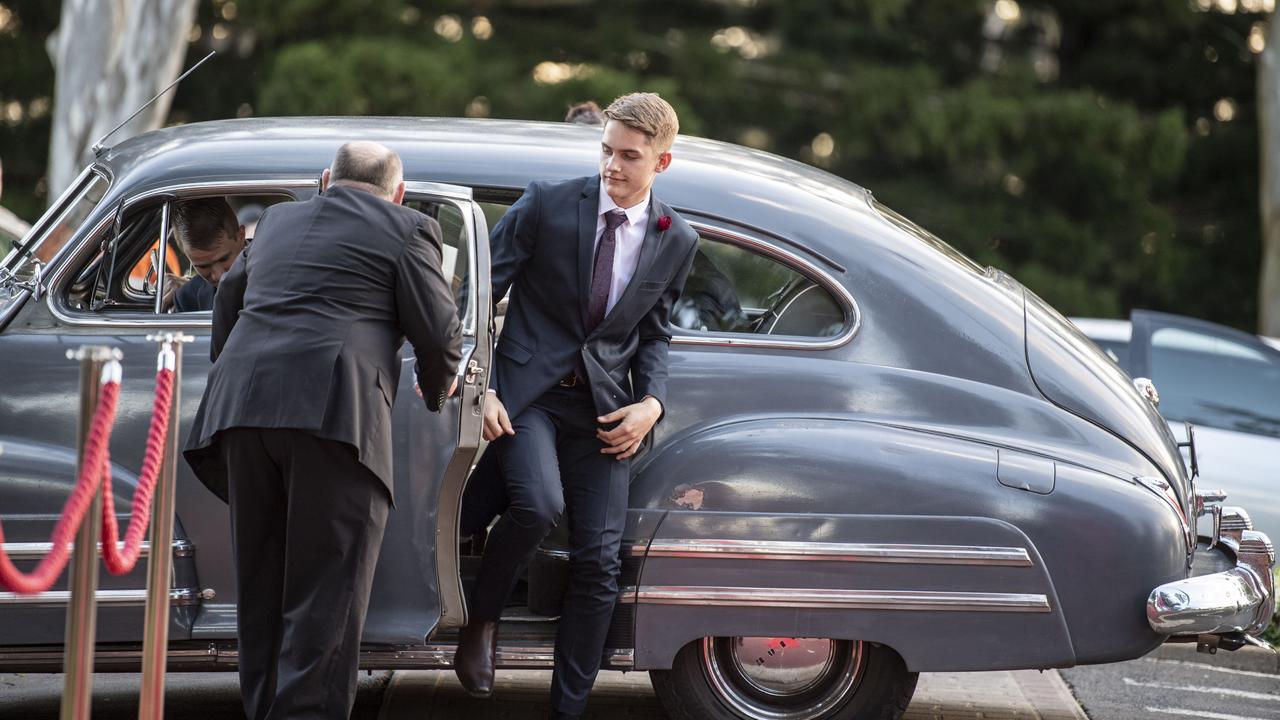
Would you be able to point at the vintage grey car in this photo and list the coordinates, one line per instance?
(879, 458)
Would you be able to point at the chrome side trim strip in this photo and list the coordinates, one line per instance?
(835, 599)
(683, 336)
(37, 550)
(530, 656)
(106, 598)
(436, 656)
(840, 552)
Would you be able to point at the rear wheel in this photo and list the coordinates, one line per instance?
(737, 678)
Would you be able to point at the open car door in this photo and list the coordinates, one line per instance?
(417, 588)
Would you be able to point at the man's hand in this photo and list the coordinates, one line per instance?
(496, 422)
(171, 284)
(452, 388)
(634, 422)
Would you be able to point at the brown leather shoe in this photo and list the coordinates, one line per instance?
(474, 659)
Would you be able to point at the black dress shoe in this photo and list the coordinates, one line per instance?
(473, 661)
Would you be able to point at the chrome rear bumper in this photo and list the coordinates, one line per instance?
(1240, 599)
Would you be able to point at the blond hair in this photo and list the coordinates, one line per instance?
(649, 114)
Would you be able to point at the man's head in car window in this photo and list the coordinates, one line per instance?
(210, 236)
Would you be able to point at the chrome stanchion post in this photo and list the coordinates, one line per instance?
(155, 639)
(82, 613)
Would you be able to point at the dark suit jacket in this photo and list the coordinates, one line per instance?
(194, 296)
(309, 322)
(543, 250)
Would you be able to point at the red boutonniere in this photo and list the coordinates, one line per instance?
(664, 223)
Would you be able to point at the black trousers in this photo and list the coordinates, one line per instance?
(306, 521)
(553, 467)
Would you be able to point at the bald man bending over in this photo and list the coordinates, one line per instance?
(294, 428)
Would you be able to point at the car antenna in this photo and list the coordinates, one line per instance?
(98, 146)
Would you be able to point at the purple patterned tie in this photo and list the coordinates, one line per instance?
(602, 271)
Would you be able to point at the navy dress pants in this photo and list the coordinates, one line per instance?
(306, 525)
(552, 469)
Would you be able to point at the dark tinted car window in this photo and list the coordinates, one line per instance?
(1216, 382)
(732, 289)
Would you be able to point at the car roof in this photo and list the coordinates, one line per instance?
(751, 186)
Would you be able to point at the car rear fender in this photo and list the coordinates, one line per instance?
(830, 528)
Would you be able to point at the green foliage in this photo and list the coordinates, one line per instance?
(1076, 147)
(367, 76)
(1272, 633)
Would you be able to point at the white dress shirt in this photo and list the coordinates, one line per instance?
(626, 253)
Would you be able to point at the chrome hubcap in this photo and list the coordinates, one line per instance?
(782, 678)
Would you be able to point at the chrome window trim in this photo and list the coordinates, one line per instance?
(453, 192)
(821, 598)
(162, 267)
(839, 552)
(459, 196)
(684, 336)
(84, 245)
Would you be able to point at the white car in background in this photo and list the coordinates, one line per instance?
(1223, 381)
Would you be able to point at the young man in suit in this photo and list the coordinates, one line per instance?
(295, 422)
(212, 238)
(594, 266)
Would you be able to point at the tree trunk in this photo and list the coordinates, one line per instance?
(13, 226)
(1269, 175)
(111, 56)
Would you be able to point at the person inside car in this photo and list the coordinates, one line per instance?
(211, 238)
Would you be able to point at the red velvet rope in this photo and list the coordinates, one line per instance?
(95, 472)
(120, 561)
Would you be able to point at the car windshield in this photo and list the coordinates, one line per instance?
(1216, 382)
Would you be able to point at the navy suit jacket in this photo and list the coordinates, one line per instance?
(195, 295)
(543, 250)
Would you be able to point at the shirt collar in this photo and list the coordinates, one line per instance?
(635, 213)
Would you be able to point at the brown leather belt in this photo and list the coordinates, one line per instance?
(571, 380)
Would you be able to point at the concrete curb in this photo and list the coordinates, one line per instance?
(1246, 658)
(1011, 695)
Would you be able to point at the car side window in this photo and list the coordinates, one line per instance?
(122, 275)
(1216, 382)
(455, 258)
(733, 289)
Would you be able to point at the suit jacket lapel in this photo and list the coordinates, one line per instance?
(588, 214)
(649, 249)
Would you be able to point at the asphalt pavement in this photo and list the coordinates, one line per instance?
(188, 696)
(1175, 682)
